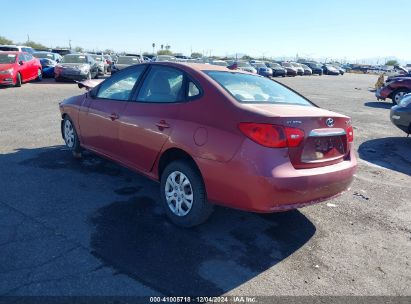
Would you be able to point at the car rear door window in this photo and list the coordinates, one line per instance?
(22, 57)
(162, 84)
(193, 90)
(120, 85)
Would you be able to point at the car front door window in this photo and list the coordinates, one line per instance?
(119, 86)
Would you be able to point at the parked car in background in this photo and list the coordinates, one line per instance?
(291, 70)
(43, 54)
(101, 63)
(162, 58)
(329, 69)
(315, 67)
(76, 67)
(18, 67)
(277, 144)
(219, 62)
(109, 61)
(400, 114)
(48, 66)
(277, 69)
(395, 90)
(339, 68)
(16, 48)
(307, 69)
(245, 66)
(298, 67)
(123, 62)
(62, 51)
(262, 69)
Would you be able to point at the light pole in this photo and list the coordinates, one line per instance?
(153, 45)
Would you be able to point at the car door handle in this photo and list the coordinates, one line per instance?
(162, 125)
(114, 116)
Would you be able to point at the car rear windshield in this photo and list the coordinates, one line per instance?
(43, 55)
(74, 59)
(248, 88)
(128, 60)
(7, 58)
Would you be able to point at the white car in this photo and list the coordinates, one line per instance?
(245, 66)
(165, 58)
(16, 48)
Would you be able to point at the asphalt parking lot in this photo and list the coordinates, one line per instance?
(91, 227)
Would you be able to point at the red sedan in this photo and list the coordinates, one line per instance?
(19, 67)
(211, 135)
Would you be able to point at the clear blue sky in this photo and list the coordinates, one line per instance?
(352, 29)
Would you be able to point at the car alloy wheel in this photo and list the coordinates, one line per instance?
(179, 193)
(69, 135)
(398, 96)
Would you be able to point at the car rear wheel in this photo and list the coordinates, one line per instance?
(397, 95)
(70, 136)
(18, 80)
(183, 194)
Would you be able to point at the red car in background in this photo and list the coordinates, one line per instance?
(213, 135)
(395, 89)
(19, 67)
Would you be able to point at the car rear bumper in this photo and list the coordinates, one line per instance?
(270, 183)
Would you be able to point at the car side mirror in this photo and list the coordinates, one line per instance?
(21, 62)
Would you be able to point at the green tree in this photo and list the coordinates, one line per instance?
(79, 49)
(392, 62)
(35, 45)
(196, 55)
(108, 51)
(164, 52)
(246, 57)
(4, 40)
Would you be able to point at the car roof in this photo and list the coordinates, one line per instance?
(197, 66)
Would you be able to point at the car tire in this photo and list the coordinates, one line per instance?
(96, 77)
(18, 80)
(398, 94)
(70, 136)
(176, 199)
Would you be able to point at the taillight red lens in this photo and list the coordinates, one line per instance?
(272, 136)
(350, 134)
(294, 136)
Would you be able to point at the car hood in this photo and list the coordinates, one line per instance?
(89, 84)
(6, 66)
(282, 110)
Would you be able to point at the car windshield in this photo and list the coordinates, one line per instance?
(243, 64)
(296, 65)
(260, 65)
(74, 59)
(43, 55)
(9, 48)
(274, 65)
(7, 58)
(128, 60)
(255, 89)
(286, 64)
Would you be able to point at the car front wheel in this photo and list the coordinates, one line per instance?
(397, 95)
(183, 194)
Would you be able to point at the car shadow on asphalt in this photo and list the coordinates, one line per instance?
(131, 234)
(391, 152)
(378, 104)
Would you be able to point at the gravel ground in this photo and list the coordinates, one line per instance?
(91, 227)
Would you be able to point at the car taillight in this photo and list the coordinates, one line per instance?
(272, 136)
(350, 134)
